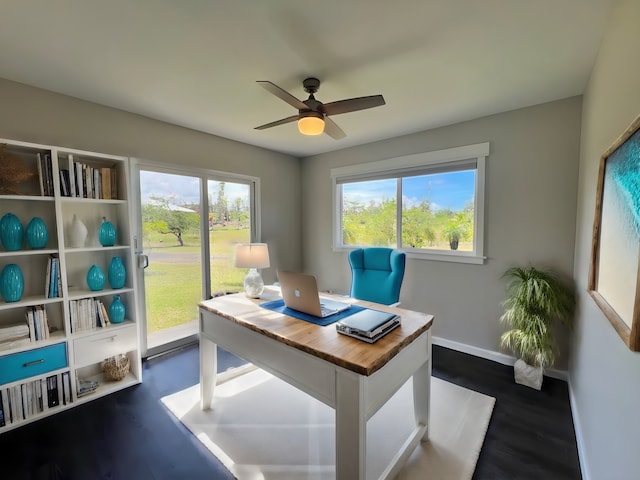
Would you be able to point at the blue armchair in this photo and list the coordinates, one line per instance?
(376, 274)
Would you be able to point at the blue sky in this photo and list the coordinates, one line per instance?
(181, 189)
(443, 190)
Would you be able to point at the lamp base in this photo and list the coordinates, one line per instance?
(253, 284)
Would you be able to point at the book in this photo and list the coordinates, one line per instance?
(72, 177)
(31, 325)
(52, 391)
(5, 407)
(14, 343)
(97, 183)
(66, 386)
(79, 183)
(114, 183)
(47, 172)
(47, 278)
(88, 182)
(105, 314)
(2, 423)
(45, 394)
(40, 173)
(42, 312)
(106, 182)
(16, 403)
(18, 330)
(64, 183)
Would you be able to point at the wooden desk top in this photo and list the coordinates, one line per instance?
(323, 342)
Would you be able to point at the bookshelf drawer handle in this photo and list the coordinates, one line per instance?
(112, 338)
(35, 362)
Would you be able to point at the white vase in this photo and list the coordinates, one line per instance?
(77, 233)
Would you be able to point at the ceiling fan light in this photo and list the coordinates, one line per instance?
(311, 124)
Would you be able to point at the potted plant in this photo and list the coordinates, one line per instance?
(535, 300)
(453, 234)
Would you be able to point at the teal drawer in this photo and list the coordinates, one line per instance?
(21, 365)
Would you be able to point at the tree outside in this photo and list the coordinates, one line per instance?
(172, 239)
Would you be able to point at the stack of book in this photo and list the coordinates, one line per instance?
(38, 323)
(12, 336)
(53, 284)
(45, 174)
(23, 401)
(86, 181)
(88, 314)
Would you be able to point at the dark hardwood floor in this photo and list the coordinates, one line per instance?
(130, 435)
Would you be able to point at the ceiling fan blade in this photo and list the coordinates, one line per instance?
(290, 119)
(332, 129)
(282, 94)
(352, 104)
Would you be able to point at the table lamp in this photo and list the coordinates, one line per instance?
(252, 256)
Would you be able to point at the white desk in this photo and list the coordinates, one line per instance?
(353, 377)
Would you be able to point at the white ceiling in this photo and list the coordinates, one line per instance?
(194, 63)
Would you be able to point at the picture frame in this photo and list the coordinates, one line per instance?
(614, 278)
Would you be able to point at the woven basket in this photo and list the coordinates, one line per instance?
(116, 368)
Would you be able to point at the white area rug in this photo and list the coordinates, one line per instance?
(261, 428)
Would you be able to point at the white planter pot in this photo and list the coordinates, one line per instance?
(525, 374)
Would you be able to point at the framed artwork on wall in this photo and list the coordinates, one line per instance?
(615, 252)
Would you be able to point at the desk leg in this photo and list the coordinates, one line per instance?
(351, 427)
(422, 396)
(208, 369)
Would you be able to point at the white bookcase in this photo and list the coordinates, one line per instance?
(66, 355)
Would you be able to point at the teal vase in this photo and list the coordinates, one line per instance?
(116, 310)
(37, 233)
(117, 274)
(11, 232)
(95, 278)
(11, 283)
(107, 233)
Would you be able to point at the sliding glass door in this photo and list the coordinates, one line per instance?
(229, 224)
(185, 217)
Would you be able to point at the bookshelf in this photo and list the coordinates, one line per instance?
(59, 366)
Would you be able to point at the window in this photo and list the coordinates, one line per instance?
(430, 205)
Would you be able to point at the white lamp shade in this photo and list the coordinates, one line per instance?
(312, 124)
(252, 255)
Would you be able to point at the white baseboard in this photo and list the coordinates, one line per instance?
(579, 437)
(491, 355)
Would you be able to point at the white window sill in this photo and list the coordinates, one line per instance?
(438, 255)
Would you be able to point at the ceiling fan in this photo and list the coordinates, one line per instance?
(313, 115)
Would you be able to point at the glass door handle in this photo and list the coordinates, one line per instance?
(143, 260)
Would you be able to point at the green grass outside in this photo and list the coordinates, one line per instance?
(173, 289)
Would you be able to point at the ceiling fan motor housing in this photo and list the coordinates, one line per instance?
(311, 85)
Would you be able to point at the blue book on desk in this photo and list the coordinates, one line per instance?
(368, 325)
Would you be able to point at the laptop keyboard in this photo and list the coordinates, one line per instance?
(326, 310)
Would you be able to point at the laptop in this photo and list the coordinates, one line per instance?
(300, 292)
(368, 325)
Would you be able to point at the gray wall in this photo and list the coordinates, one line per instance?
(35, 115)
(531, 185)
(604, 375)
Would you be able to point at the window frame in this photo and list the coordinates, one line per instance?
(470, 155)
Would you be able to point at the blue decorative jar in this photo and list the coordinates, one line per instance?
(11, 232)
(11, 283)
(117, 274)
(107, 233)
(37, 233)
(116, 310)
(95, 278)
